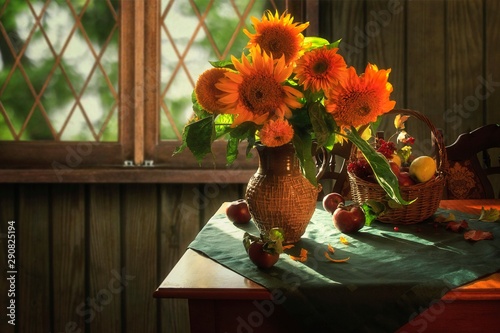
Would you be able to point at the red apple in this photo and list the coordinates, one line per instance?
(237, 212)
(260, 257)
(349, 219)
(331, 201)
(404, 179)
(394, 167)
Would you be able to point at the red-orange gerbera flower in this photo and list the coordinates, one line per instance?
(256, 92)
(359, 100)
(276, 133)
(320, 69)
(278, 36)
(205, 90)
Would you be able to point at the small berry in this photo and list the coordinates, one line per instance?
(396, 228)
(386, 148)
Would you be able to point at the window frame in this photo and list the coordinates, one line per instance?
(139, 155)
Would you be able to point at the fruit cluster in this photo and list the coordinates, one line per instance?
(408, 169)
(346, 218)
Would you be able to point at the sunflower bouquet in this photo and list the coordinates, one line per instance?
(289, 88)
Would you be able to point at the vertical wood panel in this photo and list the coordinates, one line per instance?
(179, 223)
(492, 75)
(425, 73)
(104, 256)
(215, 194)
(385, 29)
(7, 213)
(34, 306)
(139, 218)
(68, 257)
(464, 38)
(347, 22)
(426, 57)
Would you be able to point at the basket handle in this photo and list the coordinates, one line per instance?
(437, 137)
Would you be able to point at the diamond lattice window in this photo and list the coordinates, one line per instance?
(59, 70)
(192, 33)
(108, 82)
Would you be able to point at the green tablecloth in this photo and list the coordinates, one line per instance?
(391, 276)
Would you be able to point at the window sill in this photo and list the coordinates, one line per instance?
(126, 175)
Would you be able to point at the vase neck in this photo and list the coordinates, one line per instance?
(278, 161)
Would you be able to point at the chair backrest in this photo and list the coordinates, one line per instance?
(468, 178)
(337, 169)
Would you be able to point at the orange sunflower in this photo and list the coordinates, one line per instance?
(205, 90)
(320, 68)
(276, 133)
(278, 36)
(359, 100)
(256, 92)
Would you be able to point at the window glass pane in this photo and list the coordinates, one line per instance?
(59, 70)
(194, 33)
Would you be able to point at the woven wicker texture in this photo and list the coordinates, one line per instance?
(281, 201)
(278, 195)
(428, 194)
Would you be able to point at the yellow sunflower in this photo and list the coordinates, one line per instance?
(276, 133)
(205, 90)
(359, 100)
(320, 68)
(256, 92)
(278, 36)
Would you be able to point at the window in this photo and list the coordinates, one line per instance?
(91, 85)
(60, 96)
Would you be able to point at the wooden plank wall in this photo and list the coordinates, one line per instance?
(89, 256)
(443, 55)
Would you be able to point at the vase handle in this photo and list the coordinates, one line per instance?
(324, 163)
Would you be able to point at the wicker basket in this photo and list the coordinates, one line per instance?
(428, 194)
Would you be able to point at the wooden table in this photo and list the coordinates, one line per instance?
(221, 300)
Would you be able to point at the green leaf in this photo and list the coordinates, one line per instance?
(334, 44)
(232, 149)
(370, 216)
(376, 206)
(318, 116)
(249, 239)
(276, 234)
(251, 144)
(315, 42)
(300, 120)
(223, 125)
(222, 64)
(244, 130)
(332, 139)
(198, 137)
(375, 125)
(303, 148)
(372, 209)
(274, 240)
(385, 177)
(180, 149)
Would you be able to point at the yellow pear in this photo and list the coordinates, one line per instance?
(423, 168)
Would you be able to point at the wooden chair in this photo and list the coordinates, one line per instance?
(467, 177)
(336, 172)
